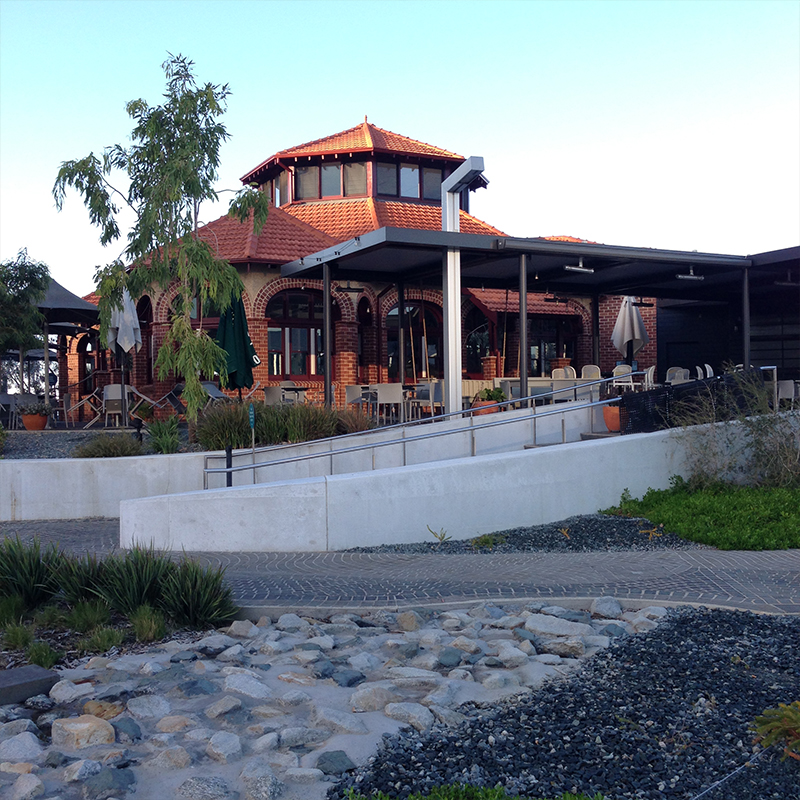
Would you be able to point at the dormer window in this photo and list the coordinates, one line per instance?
(410, 180)
(330, 180)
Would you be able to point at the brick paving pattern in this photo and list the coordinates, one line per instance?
(767, 581)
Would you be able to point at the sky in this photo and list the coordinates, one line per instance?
(673, 124)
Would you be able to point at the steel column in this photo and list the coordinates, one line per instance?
(523, 326)
(746, 318)
(327, 332)
(596, 329)
(451, 307)
(401, 324)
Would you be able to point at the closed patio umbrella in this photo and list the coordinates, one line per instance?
(629, 329)
(124, 333)
(234, 337)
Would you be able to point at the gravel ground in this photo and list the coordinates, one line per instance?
(657, 716)
(582, 534)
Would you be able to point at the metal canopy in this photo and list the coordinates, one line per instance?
(411, 255)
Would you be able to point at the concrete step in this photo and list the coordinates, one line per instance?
(586, 437)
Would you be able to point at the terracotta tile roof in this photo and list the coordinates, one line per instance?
(364, 137)
(282, 239)
(567, 239)
(494, 301)
(343, 219)
(92, 298)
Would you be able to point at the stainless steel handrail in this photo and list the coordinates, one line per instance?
(470, 413)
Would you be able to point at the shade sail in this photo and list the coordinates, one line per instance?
(629, 327)
(233, 336)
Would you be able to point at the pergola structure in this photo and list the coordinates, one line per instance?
(558, 269)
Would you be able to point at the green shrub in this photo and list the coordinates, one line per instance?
(28, 570)
(11, 610)
(164, 435)
(135, 578)
(41, 654)
(50, 616)
(487, 541)
(148, 624)
(101, 641)
(88, 615)
(3, 437)
(271, 423)
(780, 725)
(80, 577)
(197, 596)
(17, 637)
(109, 445)
(353, 420)
(727, 517)
(223, 425)
(495, 395)
(305, 423)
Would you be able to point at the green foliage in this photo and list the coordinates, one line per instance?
(197, 596)
(34, 409)
(148, 624)
(88, 615)
(27, 570)
(43, 655)
(80, 577)
(109, 445)
(466, 792)
(49, 617)
(135, 578)
(495, 395)
(306, 422)
(164, 435)
(101, 641)
(354, 421)
(171, 167)
(17, 637)
(441, 535)
(271, 423)
(780, 725)
(488, 541)
(11, 610)
(3, 437)
(727, 517)
(224, 424)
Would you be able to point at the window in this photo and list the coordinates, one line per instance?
(387, 178)
(432, 184)
(355, 179)
(331, 180)
(294, 334)
(306, 185)
(422, 336)
(409, 180)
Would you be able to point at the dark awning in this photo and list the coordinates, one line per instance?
(61, 305)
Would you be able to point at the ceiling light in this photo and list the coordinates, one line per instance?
(691, 276)
(579, 267)
(788, 281)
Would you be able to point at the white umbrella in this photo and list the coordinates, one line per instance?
(629, 327)
(124, 332)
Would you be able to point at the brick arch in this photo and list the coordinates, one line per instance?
(163, 306)
(389, 300)
(269, 290)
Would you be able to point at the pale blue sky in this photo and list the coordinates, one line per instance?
(660, 124)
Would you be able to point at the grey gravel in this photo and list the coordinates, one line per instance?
(656, 716)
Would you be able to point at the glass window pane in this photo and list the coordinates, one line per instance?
(331, 182)
(275, 308)
(298, 306)
(298, 353)
(409, 180)
(306, 185)
(275, 347)
(387, 179)
(355, 179)
(431, 184)
(317, 307)
(283, 189)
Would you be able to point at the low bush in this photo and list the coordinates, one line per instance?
(354, 421)
(11, 610)
(197, 596)
(135, 578)
(88, 615)
(28, 570)
(305, 423)
(17, 637)
(724, 516)
(223, 425)
(164, 435)
(780, 725)
(80, 577)
(50, 617)
(3, 437)
(271, 423)
(148, 624)
(41, 654)
(109, 445)
(101, 641)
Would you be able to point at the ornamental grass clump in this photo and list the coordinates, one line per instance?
(305, 423)
(354, 421)
(101, 641)
(164, 435)
(80, 577)
(135, 578)
(224, 425)
(109, 445)
(197, 596)
(148, 624)
(43, 655)
(28, 570)
(88, 615)
(11, 610)
(271, 423)
(17, 637)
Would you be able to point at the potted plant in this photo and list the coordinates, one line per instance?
(34, 416)
(611, 417)
(487, 397)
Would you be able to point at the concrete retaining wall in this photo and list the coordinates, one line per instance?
(466, 497)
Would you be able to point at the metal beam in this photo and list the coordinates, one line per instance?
(523, 327)
(327, 331)
(746, 318)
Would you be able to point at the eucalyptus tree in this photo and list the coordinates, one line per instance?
(23, 285)
(170, 168)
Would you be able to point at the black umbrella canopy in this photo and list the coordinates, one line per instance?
(61, 305)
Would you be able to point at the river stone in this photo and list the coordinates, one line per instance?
(259, 780)
(372, 698)
(364, 662)
(26, 787)
(19, 768)
(171, 758)
(67, 691)
(149, 706)
(291, 623)
(213, 645)
(269, 741)
(236, 654)
(348, 677)
(248, 686)
(243, 629)
(409, 621)
(510, 656)
(127, 730)
(223, 706)
(108, 783)
(204, 789)
(15, 727)
(500, 680)
(467, 645)
(450, 656)
(337, 721)
(195, 687)
(334, 762)
(301, 775)
(103, 709)
(224, 747)
(412, 714)
(607, 607)
(76, 733)
(24, 746)
(81, 770)
(298, 736)
(296, 697)
(544, 625)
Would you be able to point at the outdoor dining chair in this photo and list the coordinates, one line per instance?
(355, 395)
(709, 370)
(590, 372)
(622, 377)
(389, 396)
(273, 395)
(559, 374)
(570, 372)
(112, 402)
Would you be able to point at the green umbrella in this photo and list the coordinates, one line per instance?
(233, 337)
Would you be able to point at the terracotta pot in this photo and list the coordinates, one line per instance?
(480, 406)
(611, 418)
(34, 422)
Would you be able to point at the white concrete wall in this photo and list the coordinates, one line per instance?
(466, 497)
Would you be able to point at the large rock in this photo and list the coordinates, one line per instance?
(108, 783)
(607, 607)
(149, 706)
(335, 762)
(15, 727)
(77, 733)
(299, 736)
(204, 789)
(243, 629)
(127, 730)
(260, 782)
(291, 622)
(467, 645)
(223, 706)
(565, 648)
(213, 645)
(510, 656)
(22, 747)
(169, 759)
(26, 787)
(81, 770)
(337, 721)
(369, 697)
(547, 626)
(103, 709)
(248, 686)
(409, 621)
(413, 678)
(412, 714)
(66, 691)
(224, 747)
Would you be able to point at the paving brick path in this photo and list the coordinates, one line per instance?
(760, 581)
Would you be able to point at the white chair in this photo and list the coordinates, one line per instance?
(590, 372)
(112, 402)
(649, 378)
(559, 374)
(273, 395)
(622, 377)
(355, 395)
(388, 395)
(570, 372)
(700, 373)
(709, 370)
(677, 375)
(786, 391)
